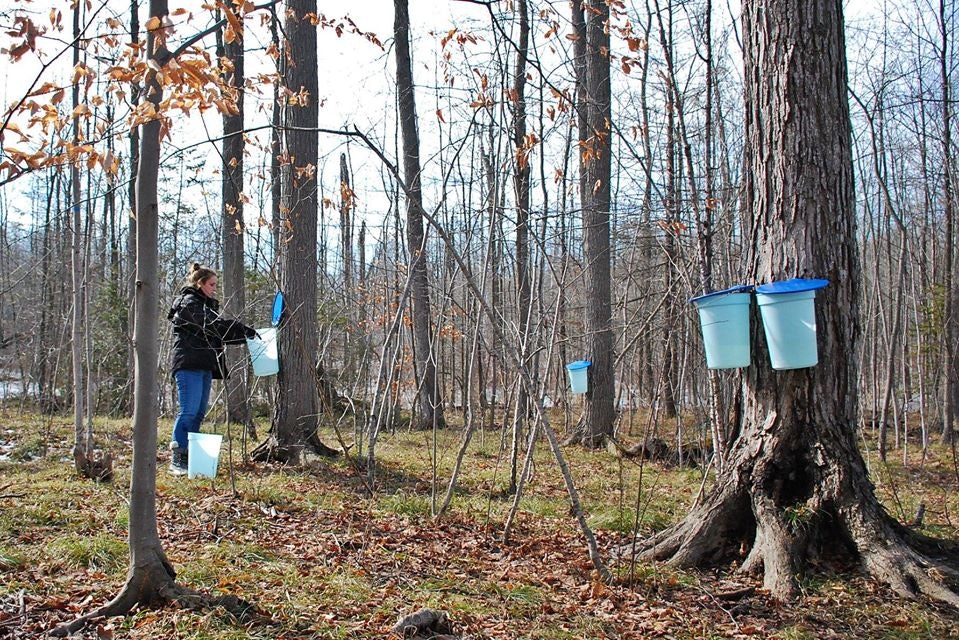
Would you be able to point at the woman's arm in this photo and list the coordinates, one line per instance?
(229, 330)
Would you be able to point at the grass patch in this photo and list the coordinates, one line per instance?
(12, 560)
(100, 552)
(406, 504)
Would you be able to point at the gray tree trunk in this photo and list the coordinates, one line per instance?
(521, 183)
(294, 419)
(594, 116)
(430, 409)
(150, 576)
(950, 382)
(346, 228)
(231, 189)
(132, 218)
(796, 485)
(82, 448)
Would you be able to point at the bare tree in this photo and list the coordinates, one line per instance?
(230, 45)
(595, 165)
(297, 407)
(521, 183)
(151, 577)
(430, 408)
(796, 481)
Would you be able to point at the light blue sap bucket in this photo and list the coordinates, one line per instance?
(788, 310)
(203, 453)
(578, 375)
(724, 320)
(264, 352)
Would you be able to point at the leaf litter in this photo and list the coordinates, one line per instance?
(326, 562)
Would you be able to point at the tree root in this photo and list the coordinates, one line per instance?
(658, 450)
(911, 564)
(156, 589)
(317, 447)
(911, 574)
(270, 450)
(96, 466)
(711, 533)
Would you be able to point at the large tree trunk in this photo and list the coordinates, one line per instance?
(594, 116)
(234, 294)
(430, 408)
(294, 420)
(796, 487)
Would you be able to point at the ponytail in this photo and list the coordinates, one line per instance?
(198, 275)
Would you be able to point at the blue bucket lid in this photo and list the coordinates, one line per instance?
(739, 288)
(791, 286)
(579, 364)
(278, 306)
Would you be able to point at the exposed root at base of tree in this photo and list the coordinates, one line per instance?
(427, 423)
(579, 435)
(912, 564)
(783, 544)
(95, 465)
(156, 587)
(270, 450)
(658, 450)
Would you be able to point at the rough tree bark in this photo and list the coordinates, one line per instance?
(430, 407)
(796, 487)
(297, 407)
(595, 165)
(230, 45)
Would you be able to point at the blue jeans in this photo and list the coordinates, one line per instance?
(193, 394)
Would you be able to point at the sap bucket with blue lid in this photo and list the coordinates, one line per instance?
(788, 310)
(264, 350)
(579, 375)
(724, 320)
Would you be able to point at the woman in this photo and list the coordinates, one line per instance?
(199, 334)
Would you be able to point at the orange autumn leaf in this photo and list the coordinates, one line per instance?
(235, 23)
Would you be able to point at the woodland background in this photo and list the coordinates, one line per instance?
(901, 61)
(440, 256)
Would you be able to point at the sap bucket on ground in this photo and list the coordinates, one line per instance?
(724, 320)
(264, 352)
(579, 375)
(788, 310)
(203, 454)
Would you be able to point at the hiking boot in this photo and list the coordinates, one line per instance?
(178, 461)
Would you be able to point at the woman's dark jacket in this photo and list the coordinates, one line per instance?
(199, 333)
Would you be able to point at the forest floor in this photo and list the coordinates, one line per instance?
(322, 559)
